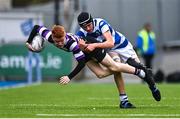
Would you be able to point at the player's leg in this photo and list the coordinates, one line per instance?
(102, 71)
(99, 70)
(113, 66)
(150, 81)
(119, 67)
(109, 62)
(124, 102)
(104, 59)
(129, 56)
(92, 61)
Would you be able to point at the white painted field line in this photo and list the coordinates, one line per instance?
(88, 106)
(55, 105)
(109, 115)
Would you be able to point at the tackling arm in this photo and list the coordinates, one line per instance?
(108, 43)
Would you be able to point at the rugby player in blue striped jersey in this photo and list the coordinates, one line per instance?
(118, 47)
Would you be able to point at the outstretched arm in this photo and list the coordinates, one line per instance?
(80, 57)
(66, 79)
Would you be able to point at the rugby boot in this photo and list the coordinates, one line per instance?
(152, 86)
(126, 104)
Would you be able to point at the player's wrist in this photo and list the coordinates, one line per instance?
(85, 47)
(97, 45)
(69, 77)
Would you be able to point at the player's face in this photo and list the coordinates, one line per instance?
(88, 27)
(59, 42)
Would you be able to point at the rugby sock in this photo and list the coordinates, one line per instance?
(140, 73)
(135, 64)
(123, 97)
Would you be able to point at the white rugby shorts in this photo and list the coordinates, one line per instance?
(125, 53)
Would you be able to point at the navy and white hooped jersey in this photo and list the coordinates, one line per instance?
(101, 26)
(71, 42)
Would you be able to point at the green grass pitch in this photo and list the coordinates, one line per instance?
(51, 100)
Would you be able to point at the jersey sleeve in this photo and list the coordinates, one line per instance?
(74, 48)
(80, 33)
(77, 69)
(78, 55)
(103, 26)
(32, 34)
(42, 31)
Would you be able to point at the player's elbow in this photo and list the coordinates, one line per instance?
(36, 26)
(110, 44)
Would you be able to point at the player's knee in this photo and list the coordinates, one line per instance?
(116, 58)
(114, 68)
(100, 75)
